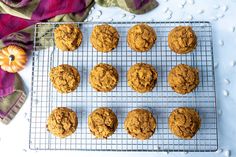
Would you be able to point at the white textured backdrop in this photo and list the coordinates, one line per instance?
(14, 137)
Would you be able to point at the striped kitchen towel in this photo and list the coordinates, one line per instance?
(12, 95)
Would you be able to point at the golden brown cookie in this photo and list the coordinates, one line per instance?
(62, 122)
(102, 122)
(141, 37)
(142, 77)
(104, 38)
(103, 77)
(184, 122)
(68, 37)
(140, 124)
(182, 39)
(65, 78)
(183, 79)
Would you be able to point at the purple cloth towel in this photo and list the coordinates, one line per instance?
(6, 83)
(12, 95)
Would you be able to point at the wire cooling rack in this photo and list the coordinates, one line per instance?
(161, 101)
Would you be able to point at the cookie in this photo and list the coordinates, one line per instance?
(183, 79)
(184, 122)
(140, 124)
(104, 38)
(142, 77)
(65, 78)
(103, 77)
(62, 122)
(102, 122)
(141, 37)
(68, 37)
(182, 39)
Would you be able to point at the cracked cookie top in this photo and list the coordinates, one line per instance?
(140, 124)
(103, 77)
(102, 122)
(68, 37)
(65, 78)
(104, 38)
(141, 37)
(62, 122)
(183, 79)
(184, 122)
(142, 77)
(182, 39)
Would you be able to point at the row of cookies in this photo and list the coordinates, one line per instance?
(141, 78)
(184, 122)
(140, 38)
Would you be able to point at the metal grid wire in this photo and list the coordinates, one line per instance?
(161, 101)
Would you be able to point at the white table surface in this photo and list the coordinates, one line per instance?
(14, 137)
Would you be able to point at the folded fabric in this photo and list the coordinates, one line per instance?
(36, 11)
(12, 95)
(16, 4)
